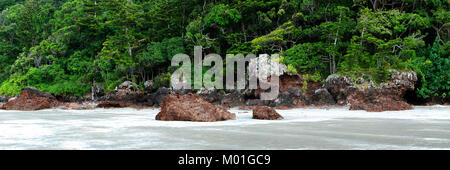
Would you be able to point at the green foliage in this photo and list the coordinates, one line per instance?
(162, 80)
(307, 57)
(49, 78)
(382, 43)
(291, 69)
(276, 40)
(64, 47)
(433, 70)
(222, 15)
(11, 86)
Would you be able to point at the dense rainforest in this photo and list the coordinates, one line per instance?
(66, 46)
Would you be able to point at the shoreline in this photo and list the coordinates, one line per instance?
(92, 105)
(336, 91)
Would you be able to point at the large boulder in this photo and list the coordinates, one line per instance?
(365, 95)
(374, 99)
(191, 107)
(158, 96)
(338, 85)
(32, 99)
(291, 97)
(388, 96)
(322, 97)
(266, 113)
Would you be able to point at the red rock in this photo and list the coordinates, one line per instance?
(366, 96)
(288, 81)
(374, 100)
(266, 113)
(191, 107)
(32, 99)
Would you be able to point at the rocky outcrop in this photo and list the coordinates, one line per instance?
(291, 81)
(323, 97)
(127, 88)
(136, 98)
(126, 95)
(158, 96)
(291, 97)
(233, 99)
(266, 113)
(337, 86)
(3, 99)
(32, 99)
(375, 99)
(191, 107)
(388, 96)
(213, 96)
(364, 95)
(148, 85)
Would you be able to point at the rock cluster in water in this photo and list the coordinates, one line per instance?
(266, 113)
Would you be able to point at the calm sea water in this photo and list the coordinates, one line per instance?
(423, 128)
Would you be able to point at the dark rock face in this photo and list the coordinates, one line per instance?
(181, 91)
(322, 97)
(259, 102)
(69, 99)
(337, 86)
(159, 94)
(266, 113)
(291, 97)
(388, 96)
(32, 99)
(113, 104)
(213, 96)
(132, 97)
(126, 95)
(233, 99)
(3, 99)
(127, 98)
(191, 107)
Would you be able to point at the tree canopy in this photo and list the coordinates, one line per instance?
(66, 46)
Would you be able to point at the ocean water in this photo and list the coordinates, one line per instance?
(425, 127)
